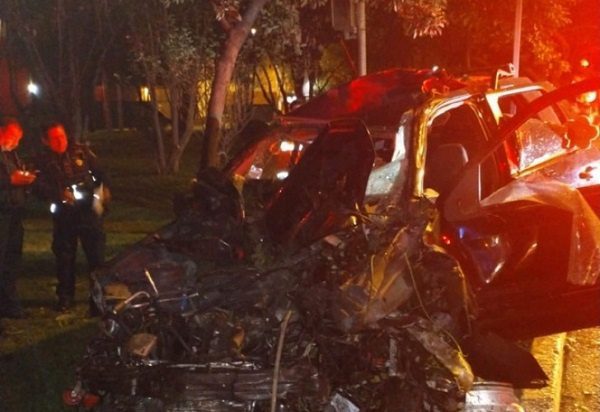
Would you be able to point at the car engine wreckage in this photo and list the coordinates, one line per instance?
(301, 295)
(368, 317)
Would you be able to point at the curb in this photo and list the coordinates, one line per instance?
(549, 352)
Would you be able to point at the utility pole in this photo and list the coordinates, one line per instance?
(517, 39)
(361, 20)
(350, 17)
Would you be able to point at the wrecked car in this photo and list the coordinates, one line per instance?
(378, 249)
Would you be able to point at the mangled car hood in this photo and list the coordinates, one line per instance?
(303, 301)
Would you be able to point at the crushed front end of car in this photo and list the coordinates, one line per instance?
(305, 303)
(321, 273)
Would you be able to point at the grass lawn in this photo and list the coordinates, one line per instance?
(38, 354)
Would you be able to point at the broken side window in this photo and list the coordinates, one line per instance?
(390, 175)
(260, 169)
(536, 141)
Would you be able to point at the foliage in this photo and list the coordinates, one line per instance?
(289, 43)
(486, 31)
(293, 42)
(543, 23)
(176, 44)
(173, 46)
(422, 17)
(64, 43)
(278, 16)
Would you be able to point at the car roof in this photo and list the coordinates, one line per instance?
(367, 93)
(382, 97)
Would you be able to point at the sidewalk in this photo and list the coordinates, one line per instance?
(549, 352)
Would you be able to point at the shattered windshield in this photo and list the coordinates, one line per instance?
(391, 159)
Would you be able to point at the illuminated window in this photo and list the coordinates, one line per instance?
(145, 94)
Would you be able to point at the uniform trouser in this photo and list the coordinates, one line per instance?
(71, 225)
(11, 247)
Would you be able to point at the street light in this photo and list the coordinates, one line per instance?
(33, 88)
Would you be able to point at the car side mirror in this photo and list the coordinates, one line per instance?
(444, 165)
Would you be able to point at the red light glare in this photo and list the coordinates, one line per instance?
(585, 63)
(589, 97)
(90, 400)
(72, 397)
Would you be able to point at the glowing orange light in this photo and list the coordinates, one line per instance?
(90, 400)
(589, 97)
(585, 63)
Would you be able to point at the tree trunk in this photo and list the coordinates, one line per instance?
(280, 78)
(175, 113)
(77, 121)
(468, 55)
(175, 159)
(312, 79)
(236, 37)
(175, 127)
(13, 84)
(76, 111)
(106, 103)
(119, 105)
(160, 143)
(298, 75)
(267, 94)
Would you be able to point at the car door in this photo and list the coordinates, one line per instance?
(522, 220)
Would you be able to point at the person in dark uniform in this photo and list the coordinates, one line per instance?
(77, 189)
(14, 179)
